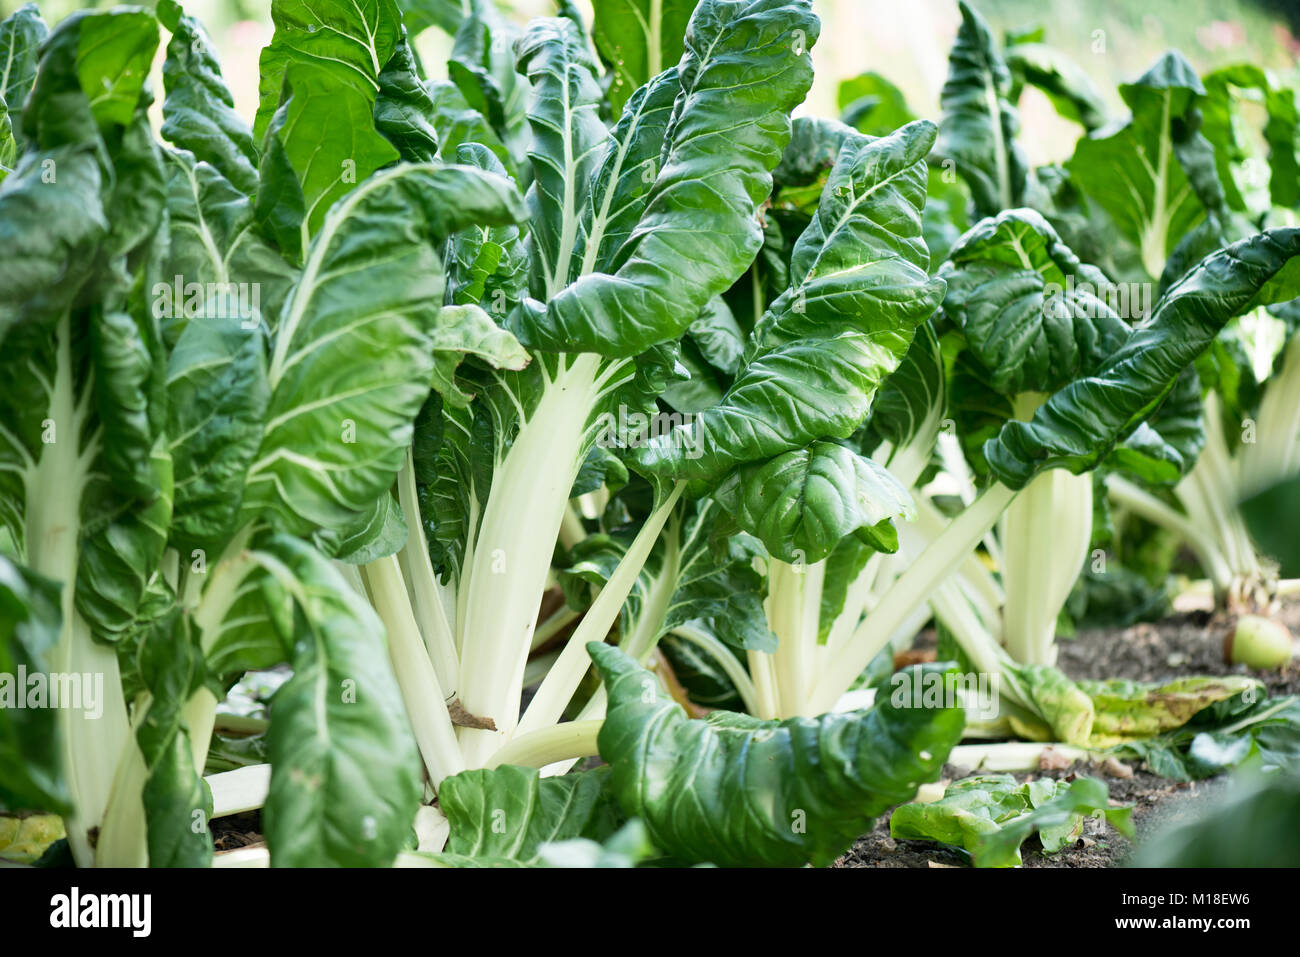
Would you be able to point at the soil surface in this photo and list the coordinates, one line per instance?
(1189, 643)
(238, 830)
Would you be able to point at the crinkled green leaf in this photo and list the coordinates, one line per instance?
(858, 290)
(31, 773)
(506, 814)
(991, 815)
(177, 803)
(1082, 422)
(404, 111)
(743, 71)
(978, 130)
(353, 358)
(801, 503)
(199, 112)
(1132, 171)
(637, 40)
(738, 791)
(1033, 315)
(344, 766)
(1063, 81)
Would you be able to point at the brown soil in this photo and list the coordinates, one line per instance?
(238, 830)
(1189, 643)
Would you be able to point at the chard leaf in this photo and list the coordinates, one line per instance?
(122, 547)
(344, 766)
(745, 67)
(483, 67)
(175, 796)
(31, 774)
(198, 111)
(871, 104)
(320, 142)
(567, 136)
(909, 409)
(979, 125)
(467, 330)
(1231, 147)
(627, 171)
(1033, 315)
(1131, 709)
(1133, 172)
(21, 36)
(858, 290)
(801, 503)
(404, 111)
(419, 15)
(502, 817)
(1224, 735)
(456, 124)
(354, 352)
(1063, 81)
(1080, 424)
(49, 231)
(381, 532)
(735, 790)
(226, 269)
(1271, 515)
(486, 264)
(637, 40)
(351, 40)
(991, 815)
(217, 395)
(627, 847)
(1254, 825)
(115, 51)
(8, 148)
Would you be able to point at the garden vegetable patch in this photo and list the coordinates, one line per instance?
(550, 457)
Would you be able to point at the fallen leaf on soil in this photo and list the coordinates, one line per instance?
(1052, 760)
(1116, 768)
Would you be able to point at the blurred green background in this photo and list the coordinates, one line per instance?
(1113, 40)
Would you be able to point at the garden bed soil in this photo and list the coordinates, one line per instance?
(1189, 643)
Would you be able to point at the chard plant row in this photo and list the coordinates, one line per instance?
(583, 404)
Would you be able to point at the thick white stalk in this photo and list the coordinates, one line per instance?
(562, 742)
(912, 587)
(240, 790)
(558, 686)
(793, 610)
(91, 747)
(644, 636)
(221, 591)
(1048, 529)
(763, 670)
(1275, 453)
(1015, 755)
(425, 703)
(422, 586)
(521, 522)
